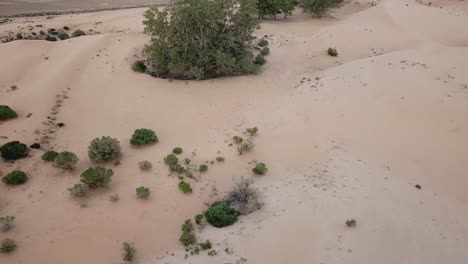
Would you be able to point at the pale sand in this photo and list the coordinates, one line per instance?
(344, 137)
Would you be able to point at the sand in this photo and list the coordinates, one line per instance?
(343, 137)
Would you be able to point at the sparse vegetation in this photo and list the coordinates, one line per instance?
(7, 222)
(220, 159)
(332, 52)
(188, 237)
(66, 160)
(7, 113)
(143, 192)
(7, 246)
(259, 59)
(15, 177)
(246, 146)
(221, 215)
(185, 187)
(143, 136)
(79, 190)
(177, 151)
(171, 159)
(262, 43)
(351, 222)
(13, 150)
(63, 36)
(114, 198)
(176, 168)
(49, 155)
(104, 149)
(139, 66)
(199, 218)
(273, 7)
(97, 177)
(265, 51)
(129, 252)
(237, 139)
(203, 168)
(78, 33)
(50, 38)
(183, 46)
(260, 169)
(243, 198)
(251, 131)
(145, 165)
(206, 245)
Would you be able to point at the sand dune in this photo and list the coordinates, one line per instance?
(344, 137)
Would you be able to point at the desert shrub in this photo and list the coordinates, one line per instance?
(260, 169)
(265, 51)
(199, 218)
(351, 222)
(104, 149)
(96, 177)
(201, 39)
(49, 155)
(66, 160)
(63, 36)
(187, 238)
(79, 190)
(13, 150)
(78, 33)
(243, 198)
(7, 246)
(247, 146)
(114, 198)
(15, 177)
(220, 159)
(318, 7)
(206, 245)
(129, 251)
(145, 165)
(237, 139)
(259, 59)
(139, 66)
(50, 38)
(185, 187)
(143, 192)
(176, 168)
(212, 253)
(7, 113)
(220, 214)
(7, 222)
(171, 159)
(262, 43)
(203, 168)
(187, 161)
(143, 136)
(332, 52)
(177, 151)
(251, 131)
(187, 226)
(274, 7)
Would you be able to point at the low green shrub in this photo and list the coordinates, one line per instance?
(176, 168)
(139, 66)
(143, 136)
(205, 246)
(263, 43)
(351, 222)
(143, 192)
(220, 159)
(177, 151)
(187, 226)
(332, 52)
(171, 159)
(260, 169)
(7, 222)
(104, 149)
(97, 177)
(63, 36)
(114, 198)
(145, 165)
(66, 160)
(13, 150)
(265, 51)
(237, 139)
(259, 59)
(78, 33)
(15, 177)
(203, 168)
(7, 246)
(79, 190)
(129, 252)
(221, 215)
(251, 131)
(199, 218)
(50, 38)
(187, 238)
(49, 155)
(7, 113)
(185, 187)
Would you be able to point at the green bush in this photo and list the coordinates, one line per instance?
(7, 222)
(7, 113)
(145, 165)
(143, 192)
(143, 136)
(96, 177)
(318, 7)
(243, 198)
(185, 187)
(260, 169)
(176, 168)
(15, 177)
(139, 66)
(7, 246)
(63, 36)
(221, 215)
(206, 245)
(78, 33)
(177, 151)
(247, 146)
(263, 43)
(332, 52)
(66, 160)
(351, 222)
(252, 131)
(79, 190)
(187, 238)
(203, 168)
(51, 38)
(265, 51)
(187, 226)
(199, 218)
(201, 39)
(14, 150)
(274, 7)
(129, 251)
(171, 159)
(260, 60)
(49, 155)
(104, 149)
(237, 139)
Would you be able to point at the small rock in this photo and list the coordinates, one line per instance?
(417, 186)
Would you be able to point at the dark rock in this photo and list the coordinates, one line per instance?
(35, 146)
(60, 124)
(417, 186)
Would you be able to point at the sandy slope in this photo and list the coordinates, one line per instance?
(344, 137)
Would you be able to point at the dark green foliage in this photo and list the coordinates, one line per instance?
(143, 192)
(49, 155)
(128, 251)
(176, 168)
(15, 177)
(78, 33)
(212, 253)
(7, 113)
(263, 43)
(185, 187)
(177, 151)
(265, 51)
(237, 139)
(139, 66)
(79, 190)
(14, 150)
(51, 38)
(351, 222)
(187, 226)
(145, 165)
(203, 168)
(206, 245)
(63, 36)
(96, 177)
(332, 52)
(66, 160)
(104, 149)
(273, 7)
(318, 7)
(259, 59)
(187, 238)
(171, 159)
(7, 246)
(143, 136)
(199, 218)
(201, 39)
(260, 169)
(220, 214)
(7, 222)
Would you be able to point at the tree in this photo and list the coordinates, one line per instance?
(318, 7)
(201, 39)
(274, 7)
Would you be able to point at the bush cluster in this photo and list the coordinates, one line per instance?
(260, 169)
(143, 136)
(143, 192)
(129, 252)
(79, 190)
(66, 160)
(185, 187)
(96, 177)
(221, 215)
(7, 246)
(104, 149)
(177, 151)
(15, 177)
(13, 150)
(203, 168)
(273, 7)
(318, 7)
(7, 222)
(139, 66)
(145, 165)
(188, 236)
(171, 159)
(7, 113)
(49, 155)
(78, 33)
